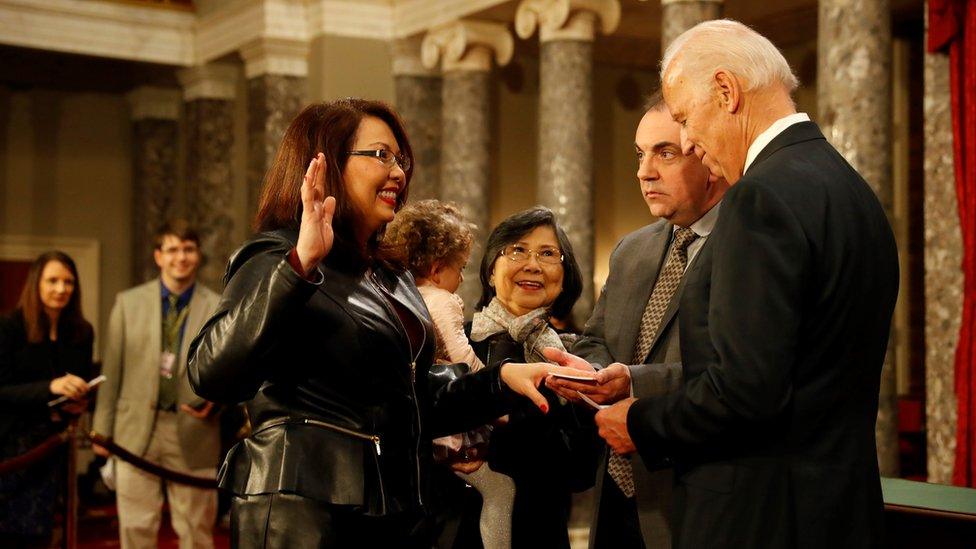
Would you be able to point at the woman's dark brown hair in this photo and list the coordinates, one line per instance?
(72, 325)
(329, 128)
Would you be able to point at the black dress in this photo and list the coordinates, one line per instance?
(28, 496)
(549, 456)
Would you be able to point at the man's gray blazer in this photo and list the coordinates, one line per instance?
(611, 335)
(126, 405)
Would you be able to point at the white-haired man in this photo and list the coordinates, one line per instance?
(772, 435)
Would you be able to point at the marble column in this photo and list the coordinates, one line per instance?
(277, 72)
(465, 50)
(677, 16)
(418, 99)
(155, 114)
(854, 104)
(943, 272)
(565, 171)
(208, 94)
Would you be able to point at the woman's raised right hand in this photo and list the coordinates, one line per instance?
(69, 385)
(315, 235)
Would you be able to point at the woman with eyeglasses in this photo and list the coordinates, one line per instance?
(528, 275)
(330, 345)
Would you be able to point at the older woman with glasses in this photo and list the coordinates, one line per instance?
(529, 274)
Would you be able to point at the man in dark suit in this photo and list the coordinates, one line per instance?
(784, 318)
(633, 323)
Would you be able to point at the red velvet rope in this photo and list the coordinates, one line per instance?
(37, 453)
(51, 443)
(150, 467)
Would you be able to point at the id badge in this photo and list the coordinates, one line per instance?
(167, 364)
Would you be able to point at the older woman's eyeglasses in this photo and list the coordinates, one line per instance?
(387, 157)
(520, 254)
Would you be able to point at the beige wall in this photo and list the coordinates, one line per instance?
(349, 67)
(65, 168)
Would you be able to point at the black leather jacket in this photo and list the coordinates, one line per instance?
(342, 408)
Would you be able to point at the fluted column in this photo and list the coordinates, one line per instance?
(155, 114)
(208, 93)
(418, 98)
(276, 70)
(466, 50)
(565, 170)
(854, 103)
(943, 272)
(677, 16)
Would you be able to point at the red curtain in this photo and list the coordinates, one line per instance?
(952, 27)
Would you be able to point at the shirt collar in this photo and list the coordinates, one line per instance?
(771, 132)
(703, 227)
(182, 300)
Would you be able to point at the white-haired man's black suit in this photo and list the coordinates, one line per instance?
(784, 328)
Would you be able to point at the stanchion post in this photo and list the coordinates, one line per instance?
(70, 538)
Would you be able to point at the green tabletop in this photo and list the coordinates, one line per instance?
(923, 495)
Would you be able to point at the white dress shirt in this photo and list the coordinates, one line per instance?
(771, 132)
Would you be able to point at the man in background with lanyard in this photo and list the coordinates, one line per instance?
(146, 404)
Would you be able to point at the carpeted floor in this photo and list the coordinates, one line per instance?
(98, 528)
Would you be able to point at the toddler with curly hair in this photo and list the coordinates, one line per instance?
(434, 239)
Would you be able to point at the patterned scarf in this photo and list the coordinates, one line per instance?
(532, 329)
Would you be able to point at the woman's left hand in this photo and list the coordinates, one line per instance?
(524, 379)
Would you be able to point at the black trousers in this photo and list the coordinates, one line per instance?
(617, 523)
(290, 521)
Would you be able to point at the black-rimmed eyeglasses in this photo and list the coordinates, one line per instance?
(387, 157)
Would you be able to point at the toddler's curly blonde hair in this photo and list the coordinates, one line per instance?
(427, 232)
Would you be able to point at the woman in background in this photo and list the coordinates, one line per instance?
(45, 352)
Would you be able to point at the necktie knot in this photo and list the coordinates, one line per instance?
(173, 300)
(683, 237)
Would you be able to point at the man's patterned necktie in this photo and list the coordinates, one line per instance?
(667, 283)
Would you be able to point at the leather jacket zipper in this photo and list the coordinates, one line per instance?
(375, 439)
(413, 371)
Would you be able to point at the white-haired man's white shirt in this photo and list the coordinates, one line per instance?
(771, 132)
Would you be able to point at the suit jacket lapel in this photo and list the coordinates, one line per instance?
(642, 273)
(153, 326)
